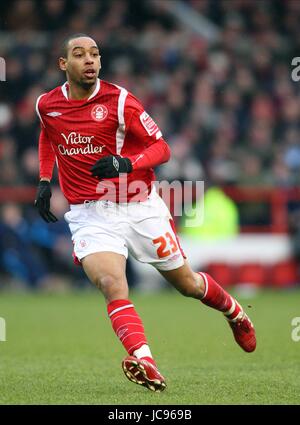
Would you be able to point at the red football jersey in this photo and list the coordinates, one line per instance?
(76, 133)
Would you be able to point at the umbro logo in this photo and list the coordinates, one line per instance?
(54, 114)
(116, 163)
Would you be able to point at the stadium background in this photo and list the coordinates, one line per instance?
(216, 77)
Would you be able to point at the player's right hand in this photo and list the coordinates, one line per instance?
(42, 201)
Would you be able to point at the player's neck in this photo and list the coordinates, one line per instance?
(77, 92)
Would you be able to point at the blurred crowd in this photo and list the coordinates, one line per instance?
(228, 107)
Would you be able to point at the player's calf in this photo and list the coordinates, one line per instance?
(188, 283)
(203, 287)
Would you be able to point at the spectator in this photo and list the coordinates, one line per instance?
(19, 257)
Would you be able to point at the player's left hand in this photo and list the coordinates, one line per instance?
(111, 166)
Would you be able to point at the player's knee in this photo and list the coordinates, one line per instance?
(112, 286)
(108, 281)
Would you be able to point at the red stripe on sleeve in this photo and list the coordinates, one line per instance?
(46, 156)
(156, 154)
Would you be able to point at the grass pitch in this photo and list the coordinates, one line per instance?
(60, 349)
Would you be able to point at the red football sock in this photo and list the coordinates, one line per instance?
(216, 297)
(127, 324)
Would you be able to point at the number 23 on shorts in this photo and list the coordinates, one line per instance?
(167, 245)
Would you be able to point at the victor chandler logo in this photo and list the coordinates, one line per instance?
(85, 142)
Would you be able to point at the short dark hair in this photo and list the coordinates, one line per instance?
(65, 44)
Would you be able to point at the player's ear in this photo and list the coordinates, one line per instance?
(62, 63)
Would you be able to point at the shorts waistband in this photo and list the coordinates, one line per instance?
(91, 203)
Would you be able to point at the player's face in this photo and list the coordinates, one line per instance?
(82, 64)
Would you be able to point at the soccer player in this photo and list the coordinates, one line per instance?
(105, 146)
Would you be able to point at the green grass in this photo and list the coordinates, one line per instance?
(60, 349)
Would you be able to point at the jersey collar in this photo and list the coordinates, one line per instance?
(65, 87)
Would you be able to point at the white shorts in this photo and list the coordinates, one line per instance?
(144, 229)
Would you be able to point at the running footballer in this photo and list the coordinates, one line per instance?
(105, 146)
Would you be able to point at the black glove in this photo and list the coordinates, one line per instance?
(42, 201)
(111, 166)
